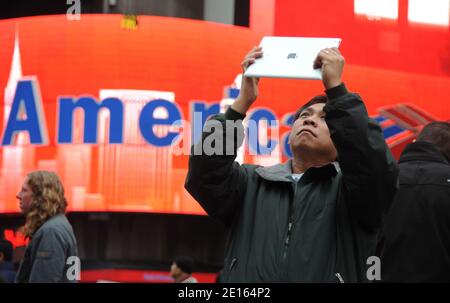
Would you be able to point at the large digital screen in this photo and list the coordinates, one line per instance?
(113, 109)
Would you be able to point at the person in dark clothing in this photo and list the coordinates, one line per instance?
(415, 243)
(52, 241)
(7, 272)
(314, 218)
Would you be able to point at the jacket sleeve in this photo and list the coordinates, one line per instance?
(214, 179)
(368, 168)
(50, 259)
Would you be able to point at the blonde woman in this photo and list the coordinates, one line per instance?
(52, 240)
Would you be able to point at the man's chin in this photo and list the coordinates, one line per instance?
(303, 146)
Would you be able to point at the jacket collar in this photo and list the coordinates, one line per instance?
(422, 151)
(283, 172)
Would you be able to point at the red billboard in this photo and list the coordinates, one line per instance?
(92, 101)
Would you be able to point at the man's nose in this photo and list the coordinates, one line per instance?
(18, 195)
(309, 121)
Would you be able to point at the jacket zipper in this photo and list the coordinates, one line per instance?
(288, 237)
(290, 224)
(338, 275)
(233, 263)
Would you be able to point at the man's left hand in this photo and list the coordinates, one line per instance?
(332, 63)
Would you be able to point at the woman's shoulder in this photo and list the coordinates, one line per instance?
(55, 224)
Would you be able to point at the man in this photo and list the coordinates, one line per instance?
(7, 273)
(311, 219)
(416, 233)
(181, 270)
(52, 241)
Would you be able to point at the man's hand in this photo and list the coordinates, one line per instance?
(249, 86)
(332, 63)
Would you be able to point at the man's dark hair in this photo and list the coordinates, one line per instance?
(184, 263)
(315, 100)
(6, 248)
(437, 133)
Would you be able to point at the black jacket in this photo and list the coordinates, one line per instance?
(416, 233)
(46, 256)
(283, 231)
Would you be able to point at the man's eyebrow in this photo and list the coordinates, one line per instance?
(308, 109)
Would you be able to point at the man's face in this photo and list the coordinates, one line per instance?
(310, 134)
(174, 270)
(25, 196)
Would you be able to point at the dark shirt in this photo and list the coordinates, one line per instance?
(7, 272)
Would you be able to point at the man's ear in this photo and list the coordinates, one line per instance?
(2, 257)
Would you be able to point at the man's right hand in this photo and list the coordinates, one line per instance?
(249, 86)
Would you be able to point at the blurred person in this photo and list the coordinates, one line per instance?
(52, 240)
(415, 244)
(7, 272)
(315, 218)
(181, 270)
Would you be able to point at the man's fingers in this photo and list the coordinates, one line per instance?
(254, 54)
(326, 54)
(247, 62)
(317, 63)
(336, 54)
(258, 54)
(251, 57)
(331, 52)
(335, 51)
(319, 59)
(256, 51)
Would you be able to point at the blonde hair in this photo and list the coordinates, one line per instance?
(48, 200)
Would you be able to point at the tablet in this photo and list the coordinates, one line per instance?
(290, 57)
